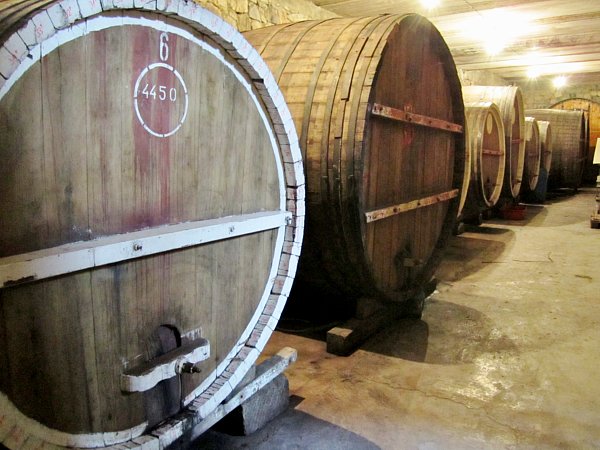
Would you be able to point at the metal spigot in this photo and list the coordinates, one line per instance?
(188, 367)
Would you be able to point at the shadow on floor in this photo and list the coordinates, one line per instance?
(533, 214)
(447, 334)
(311, 328)
(468, 253)
(577, 210)
(292, 429)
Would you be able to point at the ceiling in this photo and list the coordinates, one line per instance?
(543, 37)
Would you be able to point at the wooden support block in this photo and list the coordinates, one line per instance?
(265, 373)
(344, 340)
(595, 221)
(258, 410)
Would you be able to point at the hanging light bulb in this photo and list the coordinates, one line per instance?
(497, 29)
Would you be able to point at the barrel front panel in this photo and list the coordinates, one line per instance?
(118, 130)
(405, 162)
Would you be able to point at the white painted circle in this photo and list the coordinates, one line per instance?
(136, 95)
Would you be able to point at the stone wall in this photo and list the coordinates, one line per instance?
(480, 78)
(251, 14)
(541, 93)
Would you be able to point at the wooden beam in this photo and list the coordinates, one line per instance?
(83, 255)
(404, 116)
(383, 213)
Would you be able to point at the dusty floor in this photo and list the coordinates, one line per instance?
(507, 354)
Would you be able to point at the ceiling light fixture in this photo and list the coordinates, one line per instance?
(533, 73)
(497, 29)
(430, 4)
(560, 81)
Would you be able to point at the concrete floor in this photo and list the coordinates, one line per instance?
(507, 354)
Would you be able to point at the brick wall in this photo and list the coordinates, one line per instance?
(480, 78)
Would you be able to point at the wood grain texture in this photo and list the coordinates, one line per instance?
(331, 73)
(82, 164)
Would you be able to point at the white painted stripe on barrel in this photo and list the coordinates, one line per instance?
(18, 420)
(83, 255)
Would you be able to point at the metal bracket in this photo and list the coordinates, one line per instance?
(418, 119)
(383, 213)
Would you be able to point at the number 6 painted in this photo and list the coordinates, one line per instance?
(164, 47)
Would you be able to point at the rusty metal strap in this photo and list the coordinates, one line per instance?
(486, 151)
(404, 116)
(383, 213)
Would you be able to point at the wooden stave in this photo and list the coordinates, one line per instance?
(221, 35)
(568, 153)
(357, 282)
(477, 114)
(533, 155)
(509, 99)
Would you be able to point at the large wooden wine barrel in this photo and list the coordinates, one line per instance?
(533, 155)
(379, 112)
(510, 102)
(152, 214)
(591, 110)
(485, 140)
(569, 148)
